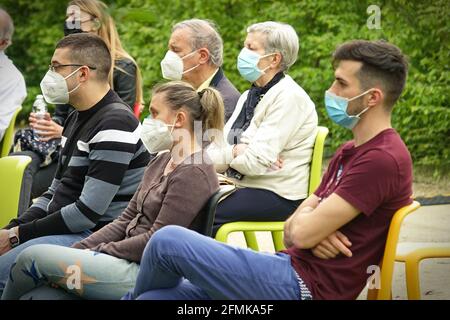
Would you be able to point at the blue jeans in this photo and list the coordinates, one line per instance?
(8, 259)
(181, 264)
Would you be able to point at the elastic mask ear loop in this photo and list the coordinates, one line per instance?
(365, 92)
(79, 84)
(360, 95)
(190, 69)
(359, 114)
(189, 54)
(266, 55)
(173, 125)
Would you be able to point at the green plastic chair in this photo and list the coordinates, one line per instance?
(8, 137)
(249, 227)
(11, 173)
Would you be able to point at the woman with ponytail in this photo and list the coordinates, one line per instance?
(177, 111)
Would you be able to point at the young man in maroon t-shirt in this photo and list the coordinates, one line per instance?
(336, 237)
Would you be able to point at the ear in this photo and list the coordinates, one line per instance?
(3, 42)
(182, 119)
(375, 97)
(85, 74)
(276, 60)
(204, 55)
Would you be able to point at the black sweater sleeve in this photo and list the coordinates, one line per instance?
(30, 215)
(52, 224)
(124, 78)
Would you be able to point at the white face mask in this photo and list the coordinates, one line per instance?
(172, 66)
(155, 135)
(54, 87)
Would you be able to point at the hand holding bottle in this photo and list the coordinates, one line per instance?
(46, 127)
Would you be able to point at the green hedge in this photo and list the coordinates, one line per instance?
(420, 28)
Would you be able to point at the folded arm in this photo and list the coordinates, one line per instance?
(307, 229)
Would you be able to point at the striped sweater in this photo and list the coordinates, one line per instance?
(102, 175)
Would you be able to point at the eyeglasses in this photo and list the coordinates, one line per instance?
(54, 67)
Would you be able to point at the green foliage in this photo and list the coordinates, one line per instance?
(419, 28)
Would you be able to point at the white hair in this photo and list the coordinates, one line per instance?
(6, 26)
(280, 37)
(204, 35)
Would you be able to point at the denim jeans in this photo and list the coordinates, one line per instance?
(181, 264)
(84, 273)
(8, 259)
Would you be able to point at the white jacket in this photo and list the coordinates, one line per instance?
(284, 125)
(12, 91)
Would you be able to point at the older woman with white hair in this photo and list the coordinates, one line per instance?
(270, 136)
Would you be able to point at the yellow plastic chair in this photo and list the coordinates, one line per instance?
(249, 228)
(276, 229)
(389, 257)
(315, 172)
(11, 173)
(8, 137)
(314, 181)
(411, 254)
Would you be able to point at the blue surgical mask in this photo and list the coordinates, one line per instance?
(336, 107)
(247, 64)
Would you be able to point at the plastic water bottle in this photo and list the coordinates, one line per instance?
(39, 109)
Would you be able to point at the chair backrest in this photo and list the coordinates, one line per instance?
(11, 173)
(8, 137)
(249, 228)
(390, 249)
(315, 172)
(203, 222)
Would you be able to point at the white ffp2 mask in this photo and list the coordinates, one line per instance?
(155, 135)
(172, 66)
(54, 87)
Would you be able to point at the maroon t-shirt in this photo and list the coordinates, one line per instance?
(376, 178)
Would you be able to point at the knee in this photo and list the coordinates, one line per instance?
(167, 238)
(30, 254)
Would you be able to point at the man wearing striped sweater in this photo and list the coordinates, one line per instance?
(102, 160)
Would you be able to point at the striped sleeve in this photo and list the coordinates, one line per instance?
(37, 210)
(110, 148)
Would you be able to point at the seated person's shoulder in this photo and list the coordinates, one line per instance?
(378, 163)
(125, 65)
(118, 117)
(292, 91)
(391, 148)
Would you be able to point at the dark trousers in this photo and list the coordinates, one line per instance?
(249, 204)
(36, 180)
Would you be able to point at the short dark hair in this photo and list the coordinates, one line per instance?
(88, 49)
(383, 64)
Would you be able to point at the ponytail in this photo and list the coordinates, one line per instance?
(205, 106)
(212, 109)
